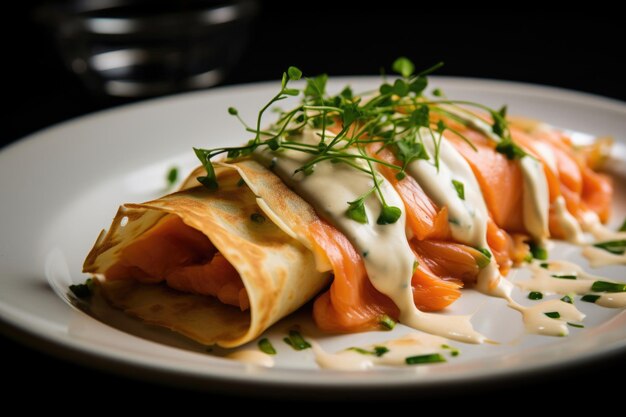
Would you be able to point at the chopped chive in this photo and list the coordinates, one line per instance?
(424, 359)
(580, 326)
(83, 290)
(241, 182)
(567, 299)
(296, 341)
(590, 298)
(415, 266)
(460, 189)
(544, 265)
(257, 218)
(622, 228)
(535, 295)
(564, 276)
(453, 351)
(605, 286)
(172, 176)
(387, 322)
(378, 351)
(266, 346)
(482, 262)
(553, 314)
(616, 247)
(538, 252)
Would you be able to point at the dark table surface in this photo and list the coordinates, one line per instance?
(572, 51)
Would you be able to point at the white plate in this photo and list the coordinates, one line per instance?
(62, 185)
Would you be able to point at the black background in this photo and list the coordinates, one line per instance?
(574, 51)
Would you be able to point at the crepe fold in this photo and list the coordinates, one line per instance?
(278, 271)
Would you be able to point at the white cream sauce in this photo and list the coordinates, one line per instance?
(536, 198)
(412, 344)
(543, 280)
(596, 256)
(570, 226)
(536, 193)
(253, 357)
(537, 322)
(467, 216)
(599, 257)
(385, 250)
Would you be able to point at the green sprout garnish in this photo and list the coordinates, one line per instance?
(397, 116)
(460, 189)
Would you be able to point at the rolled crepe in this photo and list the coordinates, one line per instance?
(277, 272)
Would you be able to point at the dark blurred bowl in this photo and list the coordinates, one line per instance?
(137, 48)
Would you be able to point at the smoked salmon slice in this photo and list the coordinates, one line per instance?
(352, 303)
(183, 258)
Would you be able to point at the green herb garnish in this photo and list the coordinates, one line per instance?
(534, 295)
(483, 261)
(580, 326)
(553, 314)
(544, 265)
(397, 116)
(172, 176)
(605, 286)
(590, 298)
(622, 228)
(564, 276)
(460, 189)
(296, 341)
(266, 346)
(83, 290)
(387, 322)
(437, 92)
(424, 359)
(378, 351)
(537, 251)
(453, 351)
(509, 149)
(567, 299)
(616, 247)
(356, 211)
